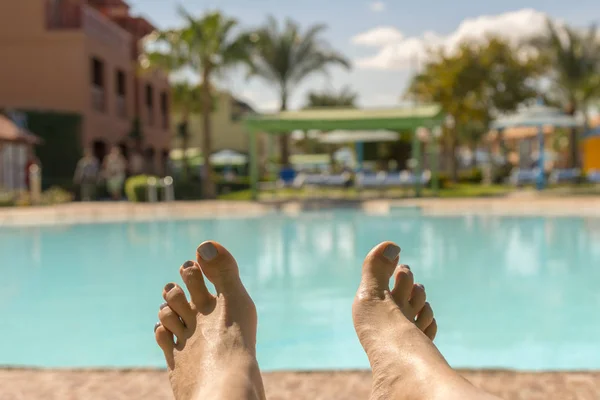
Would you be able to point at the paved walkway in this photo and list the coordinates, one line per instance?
(123, 211)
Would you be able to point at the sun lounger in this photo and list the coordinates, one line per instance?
(370, 180)
(593, 176)
(337, 180)
(520, 177)
(559, 176)
(405, 179)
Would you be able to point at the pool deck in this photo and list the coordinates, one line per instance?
(153, 385)
(122, 211)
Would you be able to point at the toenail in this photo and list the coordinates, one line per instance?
(407, 267)
(391, 252)
(156, 326)
(207, 251)
(163, 305)
(188, 264)
(169, 286)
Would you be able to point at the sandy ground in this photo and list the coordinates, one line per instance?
(153, 385)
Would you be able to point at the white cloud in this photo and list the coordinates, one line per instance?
(377, 6)
(258, 101)
(379, 37)
(398, 52)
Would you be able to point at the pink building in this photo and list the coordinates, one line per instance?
(81, 57)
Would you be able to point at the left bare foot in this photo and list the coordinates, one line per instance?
(214, 355)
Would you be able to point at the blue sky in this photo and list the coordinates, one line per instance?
(382, 66)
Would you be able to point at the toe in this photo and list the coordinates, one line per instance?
(220, 267)
(417, 299)
(164, 338)
(171, 321)
(194, 280)
(377, 269)
(431, 330)
(425, 317)
(403, 284)
(175, 298)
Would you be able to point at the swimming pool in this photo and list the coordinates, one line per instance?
(514, 292)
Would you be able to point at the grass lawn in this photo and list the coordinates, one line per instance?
(455, 191)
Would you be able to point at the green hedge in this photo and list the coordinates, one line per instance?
(136, 188)
(62, 147)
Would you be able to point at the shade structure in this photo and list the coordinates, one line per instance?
(344, 136)
(10, 132)
(331, 119)
(228, 157)
(538, 115)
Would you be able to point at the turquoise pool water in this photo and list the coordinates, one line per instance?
(507, 292)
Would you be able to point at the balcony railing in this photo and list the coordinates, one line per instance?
(63, 15)
(98, 98)
(150, 111)
(103, 29)
(121, 104)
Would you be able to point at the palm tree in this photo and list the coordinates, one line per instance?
(208, 45)
(345, 98)
(574, 60)
(285, 56)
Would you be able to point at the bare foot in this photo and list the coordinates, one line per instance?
(396, 329)
(214, 354)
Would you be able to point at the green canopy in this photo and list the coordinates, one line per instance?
(329, 119)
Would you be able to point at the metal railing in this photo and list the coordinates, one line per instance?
(98, 98)
(156, 185)
(121, 104)
(103, 29)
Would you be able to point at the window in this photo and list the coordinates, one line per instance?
(97, 72)
(121, 83)
(164, 109)
(121, 90)
(97, 80)
(149, 96)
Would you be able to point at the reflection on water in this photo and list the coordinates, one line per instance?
(507, 291)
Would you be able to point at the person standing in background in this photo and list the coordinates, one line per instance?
(86, 175)
(31, 160)
(136, 163)
(114, 172)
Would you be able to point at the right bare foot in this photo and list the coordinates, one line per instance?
(405, 362)
(214, 356)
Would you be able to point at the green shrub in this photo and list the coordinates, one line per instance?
(7, 199)
(136, 188)
(501, 173)
(443, 181)
(56, 195)
(474, 175)
(188, 189)
(52, 196)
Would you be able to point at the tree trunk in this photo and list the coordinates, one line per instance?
(452, 145)
(207, 178)
(284, 138)
(573, 139)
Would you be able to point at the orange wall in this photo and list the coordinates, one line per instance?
(591, 154)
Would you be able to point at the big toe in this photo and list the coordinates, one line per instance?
(378, 267)
(220, 267)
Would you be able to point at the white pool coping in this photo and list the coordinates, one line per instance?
(77, 213)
